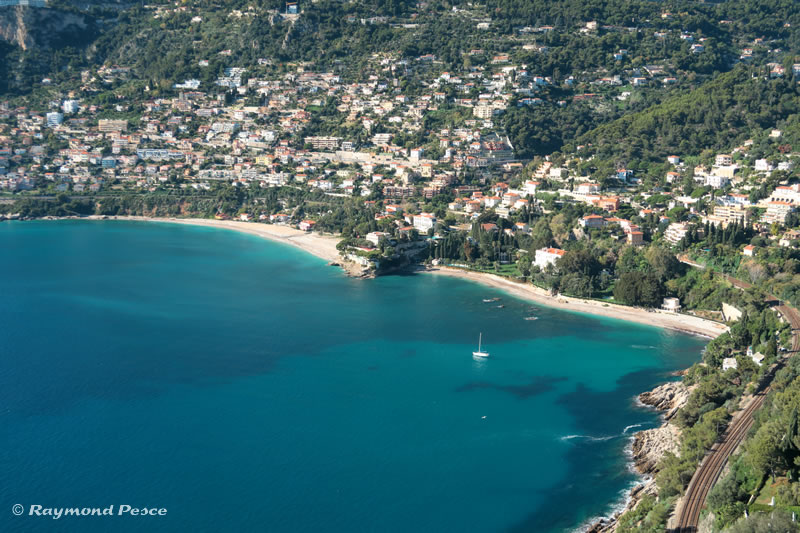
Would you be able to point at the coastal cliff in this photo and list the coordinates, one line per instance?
(649, 446)
(668, 397)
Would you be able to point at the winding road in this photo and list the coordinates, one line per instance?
(713, 463)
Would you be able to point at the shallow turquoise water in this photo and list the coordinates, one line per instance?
(245, 386)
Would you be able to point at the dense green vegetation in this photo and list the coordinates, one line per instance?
(770, 455)
(713, 117)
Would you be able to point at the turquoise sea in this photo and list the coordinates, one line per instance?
(244, 385)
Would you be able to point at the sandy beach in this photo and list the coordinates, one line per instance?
(663, 319)
(323, 246)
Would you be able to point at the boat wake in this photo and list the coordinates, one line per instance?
(587, 437)
(624, 431)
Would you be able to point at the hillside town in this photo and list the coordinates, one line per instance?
(256, 133)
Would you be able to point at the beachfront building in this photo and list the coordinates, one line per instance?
(673, 305)
(547, 256)
(306, 225)
(375, 237)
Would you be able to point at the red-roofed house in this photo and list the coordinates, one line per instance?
(547, 256)
(593, 221)
(635, 238)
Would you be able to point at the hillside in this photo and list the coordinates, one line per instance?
(720, 113)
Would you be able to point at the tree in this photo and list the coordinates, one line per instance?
(763, 452)
(773, 522)
(772, 348)
(663, 262)
(674, 473)
(725, 492)
(639, 289)
(581, 262)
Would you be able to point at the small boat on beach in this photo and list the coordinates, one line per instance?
(480, 353)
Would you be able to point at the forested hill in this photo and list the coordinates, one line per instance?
(720, 113)
(165, 40)
(330, 30)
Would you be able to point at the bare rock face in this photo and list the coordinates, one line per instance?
(29, 27)
(649, 446)
(668, 397)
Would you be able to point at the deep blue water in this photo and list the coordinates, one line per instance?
(245, 386)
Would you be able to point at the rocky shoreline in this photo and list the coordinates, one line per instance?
(649, 446)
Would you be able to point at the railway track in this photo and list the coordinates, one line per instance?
(713, 463)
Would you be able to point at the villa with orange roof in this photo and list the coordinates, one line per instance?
(548, 256)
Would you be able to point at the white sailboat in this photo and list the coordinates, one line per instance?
(479, 353)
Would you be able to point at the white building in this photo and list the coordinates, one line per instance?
(54, 119)
(483, 111)
(729, 362)
(762, 165)
(723, 160)
(672, 305)
(424, 221)
(588, 188)
(530, 187)
(716, 181)
(323, 143)
(777, 212)
(676, 231)
(547, 256)
(375, 237)
(306, 225)
(789, 194)
(70, 106)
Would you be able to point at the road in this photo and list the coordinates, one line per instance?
(713, 463)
